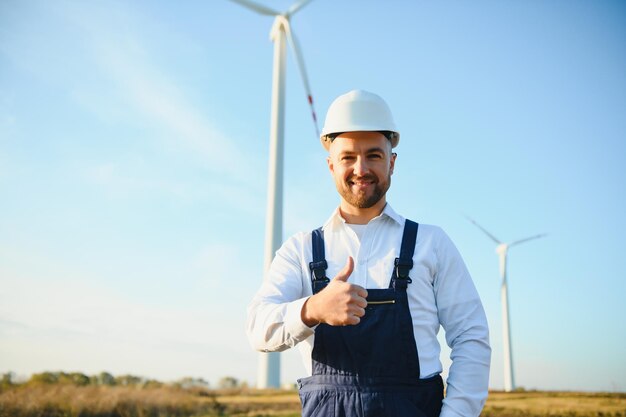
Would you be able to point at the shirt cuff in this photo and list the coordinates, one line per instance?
(294, 325)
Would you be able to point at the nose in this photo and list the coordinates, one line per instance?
(360, 167)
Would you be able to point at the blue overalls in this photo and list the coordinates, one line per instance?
(370, 369)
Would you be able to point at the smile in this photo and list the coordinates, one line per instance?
(361, 184)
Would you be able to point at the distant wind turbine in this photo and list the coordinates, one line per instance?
(502, 250)
(269, 366)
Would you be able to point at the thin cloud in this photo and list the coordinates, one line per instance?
(109, 69)
(136, 178)
(121, 180)
(122, 56)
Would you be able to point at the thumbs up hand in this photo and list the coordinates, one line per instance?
(339, 304)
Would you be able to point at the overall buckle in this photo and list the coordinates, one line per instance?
(318, 271)
(402, 268)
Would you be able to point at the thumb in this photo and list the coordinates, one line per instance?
(345, 273)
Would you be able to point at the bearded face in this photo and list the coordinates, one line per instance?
(361, 164)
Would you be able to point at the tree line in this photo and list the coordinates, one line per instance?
(9, 380)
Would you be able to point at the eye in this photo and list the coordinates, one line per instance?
(347, 158)
(375, 156)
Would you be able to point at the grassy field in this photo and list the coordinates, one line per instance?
(555, 404)
(103, 401)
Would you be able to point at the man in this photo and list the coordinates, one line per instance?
(368, 335)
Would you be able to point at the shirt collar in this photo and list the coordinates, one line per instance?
(335, 219)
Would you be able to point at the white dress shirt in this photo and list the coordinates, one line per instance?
(442, 293)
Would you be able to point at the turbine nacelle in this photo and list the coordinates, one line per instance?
(502, 248)
(268, 11)
(281, 23)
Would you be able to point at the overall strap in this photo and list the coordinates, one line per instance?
(402, 265)
(319, 264)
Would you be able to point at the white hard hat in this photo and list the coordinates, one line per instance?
(355, 111)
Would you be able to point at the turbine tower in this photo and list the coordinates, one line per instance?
(269, 365)
(502, 250)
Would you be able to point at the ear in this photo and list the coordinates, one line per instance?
(392, 162)
(331, 166)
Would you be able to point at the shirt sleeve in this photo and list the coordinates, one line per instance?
(274, 321)
(463, 318)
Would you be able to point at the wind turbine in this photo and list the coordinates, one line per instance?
(502, 250)
(269, 365)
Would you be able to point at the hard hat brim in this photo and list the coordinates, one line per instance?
(327, 139)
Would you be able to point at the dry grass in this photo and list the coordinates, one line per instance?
(499, 404)
(257, 403)
(102, 401)
(555, 404)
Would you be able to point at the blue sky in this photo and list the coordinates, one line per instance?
(133, 163)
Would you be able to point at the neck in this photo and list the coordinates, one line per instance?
(357, 215)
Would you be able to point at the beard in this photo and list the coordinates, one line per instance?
(361, 198)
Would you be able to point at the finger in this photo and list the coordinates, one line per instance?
(359, 312)
(345, 273)
(361, 292)
(360, 302)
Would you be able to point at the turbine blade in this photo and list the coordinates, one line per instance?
(259, 8)
(495, 239)
(301, 67)
(526, 239)
(297, 6)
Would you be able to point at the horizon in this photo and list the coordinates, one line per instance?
(214, 385)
